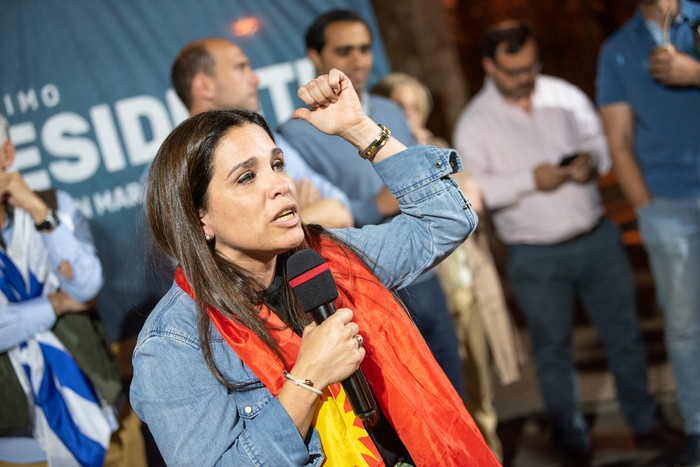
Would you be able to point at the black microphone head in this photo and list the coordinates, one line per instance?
(311, 279)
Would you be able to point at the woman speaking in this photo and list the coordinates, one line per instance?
(229, 369)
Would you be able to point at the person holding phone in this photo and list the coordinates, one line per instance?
(516, 135)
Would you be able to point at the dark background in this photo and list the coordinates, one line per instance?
(439, 42)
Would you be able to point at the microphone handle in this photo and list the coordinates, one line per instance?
(323, 312)
(360, 395)
(356, 386)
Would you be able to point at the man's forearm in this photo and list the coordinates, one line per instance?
(629, 177)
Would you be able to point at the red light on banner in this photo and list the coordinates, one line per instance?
(245, 27)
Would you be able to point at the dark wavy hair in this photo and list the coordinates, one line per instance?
(176, 190)
(515, 36)
(315, 34)
(192, 59)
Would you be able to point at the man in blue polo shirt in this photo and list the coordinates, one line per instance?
(648, 89)
(342, 39)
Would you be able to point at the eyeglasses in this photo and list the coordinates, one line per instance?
(514, 73)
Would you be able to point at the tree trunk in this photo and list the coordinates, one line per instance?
(418, 41)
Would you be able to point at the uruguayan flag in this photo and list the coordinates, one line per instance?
(69, 422)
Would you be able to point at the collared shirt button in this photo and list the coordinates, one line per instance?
(248, 409)
(438, 164)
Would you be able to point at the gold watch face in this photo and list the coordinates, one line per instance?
(377, 144)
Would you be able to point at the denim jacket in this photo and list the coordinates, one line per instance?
(195, 420)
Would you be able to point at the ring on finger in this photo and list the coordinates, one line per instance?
(360, 341)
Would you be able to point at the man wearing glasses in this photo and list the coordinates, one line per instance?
(535, 143)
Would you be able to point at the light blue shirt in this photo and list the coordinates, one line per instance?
(195, 420)
(19, 321)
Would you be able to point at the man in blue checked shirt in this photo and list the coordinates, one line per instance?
(59, 382)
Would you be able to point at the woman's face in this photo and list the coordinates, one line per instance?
(252, 211)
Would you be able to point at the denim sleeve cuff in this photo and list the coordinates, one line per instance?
(416, 167)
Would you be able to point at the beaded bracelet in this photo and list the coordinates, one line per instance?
(303, 383)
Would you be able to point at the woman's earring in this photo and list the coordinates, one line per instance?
(208, 237)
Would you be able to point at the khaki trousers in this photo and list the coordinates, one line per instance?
(476, 358)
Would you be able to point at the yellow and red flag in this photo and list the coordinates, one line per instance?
(412, 390)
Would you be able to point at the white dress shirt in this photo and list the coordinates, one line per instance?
(501, 144)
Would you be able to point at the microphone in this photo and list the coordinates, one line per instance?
(312, 282)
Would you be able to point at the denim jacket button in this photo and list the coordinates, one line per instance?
(438, 164)
(248, 409)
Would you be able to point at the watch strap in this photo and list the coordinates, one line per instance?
(370, 151)
(49, 223)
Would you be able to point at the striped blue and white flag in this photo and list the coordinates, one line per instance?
(69, 422)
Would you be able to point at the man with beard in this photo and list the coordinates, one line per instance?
(343, 40)
(535, 143)
(648, 90)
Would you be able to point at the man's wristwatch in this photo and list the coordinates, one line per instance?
(49, 223)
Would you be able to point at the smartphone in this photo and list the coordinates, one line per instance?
(567, 160)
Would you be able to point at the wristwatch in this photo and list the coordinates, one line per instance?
(370, 151)
(49, 223)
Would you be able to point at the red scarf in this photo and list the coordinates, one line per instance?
(412, 390)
